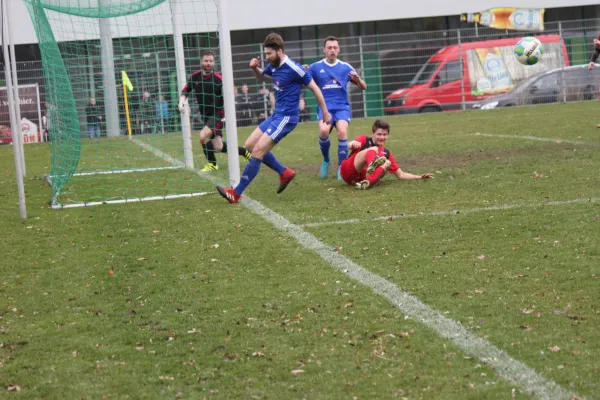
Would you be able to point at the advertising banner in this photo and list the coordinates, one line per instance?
(521, 19)
(31, 119)
(495, 70)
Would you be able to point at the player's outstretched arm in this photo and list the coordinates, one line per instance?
(320, 100)
(592, 63)
(183, 103)
(408, 176)
(258, 71)
(354, 145)
(183, 97)
(357, 80)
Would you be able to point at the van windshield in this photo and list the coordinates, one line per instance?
(425, 73)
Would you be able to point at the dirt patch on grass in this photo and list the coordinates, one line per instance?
(452, 161)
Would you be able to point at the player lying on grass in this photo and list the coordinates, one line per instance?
(369, 160)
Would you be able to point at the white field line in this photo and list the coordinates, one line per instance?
(540, 139)
(513, 371)
(128, 200)
(501, 207)
(125, 171)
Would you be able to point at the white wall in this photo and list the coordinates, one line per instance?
(247, 13)
(200, 15)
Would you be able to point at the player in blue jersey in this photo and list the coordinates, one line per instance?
(332, 76)
(288, 78)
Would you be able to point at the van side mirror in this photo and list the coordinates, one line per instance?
(436, 82)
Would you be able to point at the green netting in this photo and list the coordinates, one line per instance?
(97, 8)
(95, 156)
(61, 111)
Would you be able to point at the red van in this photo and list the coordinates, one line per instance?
(455, 75)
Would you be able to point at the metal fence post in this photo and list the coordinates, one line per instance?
(162, 125)
(462, 78)
(264, 85)
(13, 106)
(90, 62)
(362, 67)
(562, 64)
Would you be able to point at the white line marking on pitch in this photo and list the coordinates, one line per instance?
(540, 139)
(454, 212)
(505, 366)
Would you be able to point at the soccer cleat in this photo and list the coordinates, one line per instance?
(285, 178)
(247, 155)
(362, 185)
(378, 162)
(210, 167)
(229, 194)
(339, 173)
(324, 171)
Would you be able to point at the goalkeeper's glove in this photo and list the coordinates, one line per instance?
(183, 104)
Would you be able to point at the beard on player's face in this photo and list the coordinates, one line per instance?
(273, 57)
(275, 60)
(208, 66)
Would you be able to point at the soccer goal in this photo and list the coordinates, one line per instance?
(113, 72)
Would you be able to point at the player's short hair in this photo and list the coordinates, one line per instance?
(330, 39)
(274, 41)
(380, 124)
(208, 53)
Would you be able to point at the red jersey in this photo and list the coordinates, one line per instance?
(367, 142)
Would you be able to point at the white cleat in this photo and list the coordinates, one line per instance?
(362, 185)
(378, 162)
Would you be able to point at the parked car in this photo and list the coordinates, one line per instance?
(474, 71)
(569, 84)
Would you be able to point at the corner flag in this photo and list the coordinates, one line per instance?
(126, 80)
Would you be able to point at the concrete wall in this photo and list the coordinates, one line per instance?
(201, 16)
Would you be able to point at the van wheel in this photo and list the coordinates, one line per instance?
(430, 109)
(588, 93)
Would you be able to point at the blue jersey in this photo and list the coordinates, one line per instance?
(288, 79)
(332, 79)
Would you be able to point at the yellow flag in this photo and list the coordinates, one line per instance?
(126, 80)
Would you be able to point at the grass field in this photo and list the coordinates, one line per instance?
(482, 283)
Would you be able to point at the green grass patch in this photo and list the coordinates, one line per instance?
(209, 300)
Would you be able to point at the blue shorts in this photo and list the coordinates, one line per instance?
(336, 115)
(277, 126)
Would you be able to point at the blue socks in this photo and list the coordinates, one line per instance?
(342, 150)
(271, 162)
(249, 174)
(324, 144)
(252, 169)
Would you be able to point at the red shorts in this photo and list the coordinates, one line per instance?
(349, 173)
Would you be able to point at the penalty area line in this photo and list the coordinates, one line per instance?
(501, 207)
(537, 138)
